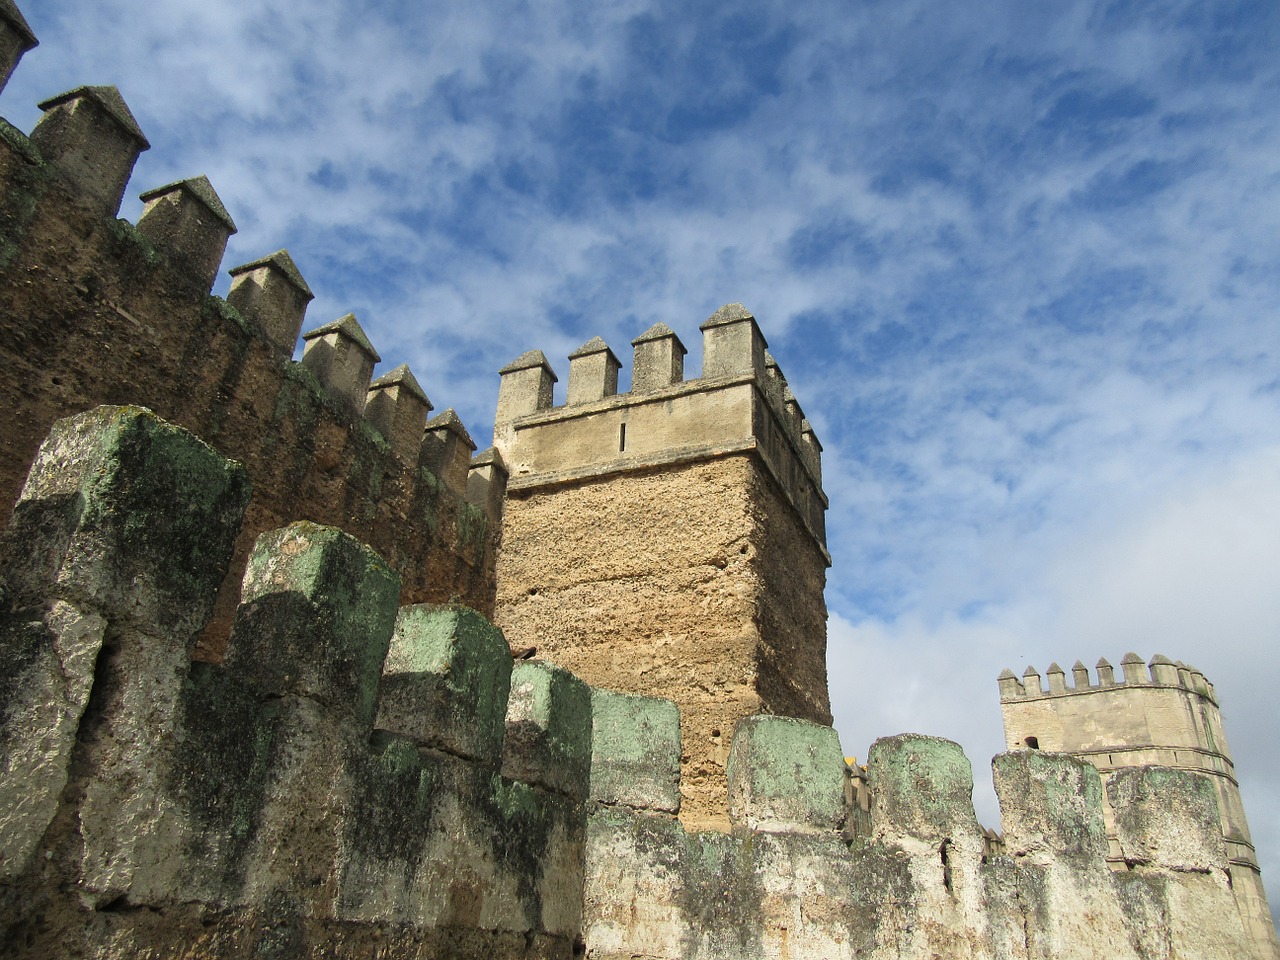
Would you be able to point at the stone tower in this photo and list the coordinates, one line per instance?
(669, 541)
(1161, 713)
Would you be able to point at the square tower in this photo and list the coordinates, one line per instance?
(669, 541)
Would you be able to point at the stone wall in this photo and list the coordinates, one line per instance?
(97, 310)
(361, 781)
(342, 785)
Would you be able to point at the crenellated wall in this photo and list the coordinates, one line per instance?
(1162, 712)
(228, 728)
(95, 310)
(341, 785)
(360, 781)
(669, 540)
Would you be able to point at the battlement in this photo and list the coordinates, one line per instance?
(1159, 672)
(94, 310)
(363, 780)
(740, 404)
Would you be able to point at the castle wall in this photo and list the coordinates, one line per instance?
(360, 781)
(97, 310)
(342, 785)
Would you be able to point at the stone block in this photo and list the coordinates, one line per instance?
(526, 387)
(89, 134)
(188, 219)
(1167, 818)
(271, 292)
(127, 515)
(487, 483)
(593, 372)
(446, 450)
(1050, 803)
(342, 359)
(446, 682)
(315, 619)
(397, 406)
(658, 359)
(732, 343)
(635, 751)
(548, 735)
(921, 787)
(786, 775)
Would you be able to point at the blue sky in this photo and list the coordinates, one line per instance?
(1020, 262)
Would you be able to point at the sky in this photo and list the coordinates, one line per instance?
(1020, 263)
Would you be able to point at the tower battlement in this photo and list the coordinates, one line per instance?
(1160, 672)
(684, 518)
(1158, 713)
(741, 403)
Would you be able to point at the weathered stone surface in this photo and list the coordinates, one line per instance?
(1051, 805)
(635, 751)
(922, 788)
(113, 556)
(317, 613)
(548, 729)
(786, 774)
(677, 618)
(446, 682)
(1167, 817)
(127, 515)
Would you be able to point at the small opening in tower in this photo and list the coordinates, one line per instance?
(1033, 743)
(622, 437)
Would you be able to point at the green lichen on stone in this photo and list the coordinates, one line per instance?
(548, 729)
(317, 612)
(161, 509)
(921, 786)
(447, 680)
(635, 751)
(1051, 799)
(218, 309)
(473, 524)
(784, 771)
(428, 495)
(395, 799)
(222, 765)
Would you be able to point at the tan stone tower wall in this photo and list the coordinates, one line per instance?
(669, 541)
(1161, 713)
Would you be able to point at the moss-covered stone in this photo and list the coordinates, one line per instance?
(316, 615)
(635, 751)
(786, 774)
(548, 729)
(1050, 801)
(446, 681)
(921, 787)
(128, 514)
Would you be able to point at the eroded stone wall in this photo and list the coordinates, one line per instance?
(358, 781)
(645, 583)
(94, 310)
(300, 799)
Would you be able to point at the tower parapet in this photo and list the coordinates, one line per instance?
(1163, 712)
(740, 403)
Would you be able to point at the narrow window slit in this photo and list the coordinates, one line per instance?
(622, 438)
